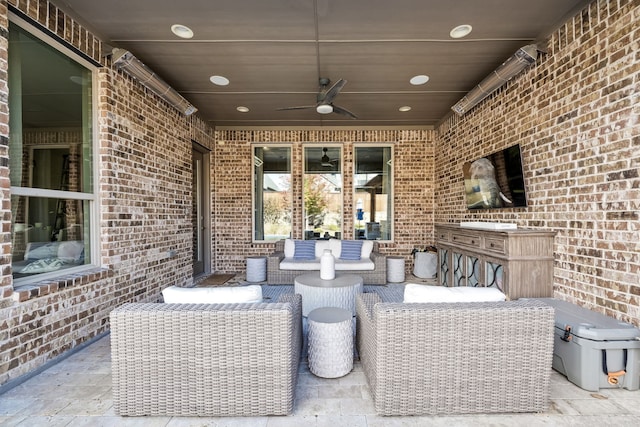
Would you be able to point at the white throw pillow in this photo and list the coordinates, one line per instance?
(425, 293)
(222, 295)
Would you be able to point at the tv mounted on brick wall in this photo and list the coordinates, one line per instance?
(495, 181)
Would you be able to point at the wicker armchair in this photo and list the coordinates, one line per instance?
(206, 359)
(455, 358)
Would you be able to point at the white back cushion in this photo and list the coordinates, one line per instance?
(321, 245)
(367, 247)
(425, 293)
(336, 247)
(289, 248)
(222, 295)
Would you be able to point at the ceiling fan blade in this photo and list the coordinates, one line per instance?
(301, 107)
(344, 112)
(335, 90)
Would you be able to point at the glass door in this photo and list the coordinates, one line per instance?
(200, 210)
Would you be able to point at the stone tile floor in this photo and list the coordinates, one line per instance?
(77, 392)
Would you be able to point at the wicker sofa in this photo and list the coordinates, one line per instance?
(453, 358)
(206, 359)
(276, 275)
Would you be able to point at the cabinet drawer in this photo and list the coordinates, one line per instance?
(465, 239)
(443, 236)
(495, 245)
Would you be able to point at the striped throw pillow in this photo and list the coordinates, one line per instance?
(351, 250)
(304, 249)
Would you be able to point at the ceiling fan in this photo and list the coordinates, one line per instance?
(324, 99)
(326, 161)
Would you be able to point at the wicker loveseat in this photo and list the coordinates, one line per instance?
(373, 271)
(206, 359)
(448, 358)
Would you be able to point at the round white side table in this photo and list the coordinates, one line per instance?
(256, 269)
(330, 342)
(395, 269)
(339, 292)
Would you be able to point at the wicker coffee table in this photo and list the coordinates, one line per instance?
(330, 342)
(339, 292)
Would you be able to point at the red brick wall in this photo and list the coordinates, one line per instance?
(575, 114)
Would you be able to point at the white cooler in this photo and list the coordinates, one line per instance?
(593, 350)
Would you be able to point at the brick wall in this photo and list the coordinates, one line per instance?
(144, 162)
(6, 288)
(232, 191)
(575, 114)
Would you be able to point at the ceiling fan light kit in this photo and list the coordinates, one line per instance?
(324, 109)
(520, 60)
(125, 61)
(324, 99)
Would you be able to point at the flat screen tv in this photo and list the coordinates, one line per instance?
(495, 181)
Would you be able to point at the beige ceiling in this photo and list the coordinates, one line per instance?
(274, 51)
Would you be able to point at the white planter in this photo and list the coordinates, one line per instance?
(425, 265)
(327, 265)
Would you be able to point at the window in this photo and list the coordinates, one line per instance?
(373, 192)
(322, 192)
(51, 157)
(272, 202)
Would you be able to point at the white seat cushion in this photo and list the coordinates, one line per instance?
(314, 265)
(352, 265)
(222, 295)
(300, 264)
(425, 293)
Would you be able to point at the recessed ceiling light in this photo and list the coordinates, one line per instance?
(242, 109)
(182, 31)
(219, 80)
(460, 31)
(404, 108)
(419, 80)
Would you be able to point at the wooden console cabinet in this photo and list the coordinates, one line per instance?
(519, 262)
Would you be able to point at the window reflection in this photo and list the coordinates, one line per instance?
(373, 198)
(49, 235)
(272, 192)
(50, 156)
(322, 192)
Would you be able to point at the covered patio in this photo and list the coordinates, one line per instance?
(150, 197)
